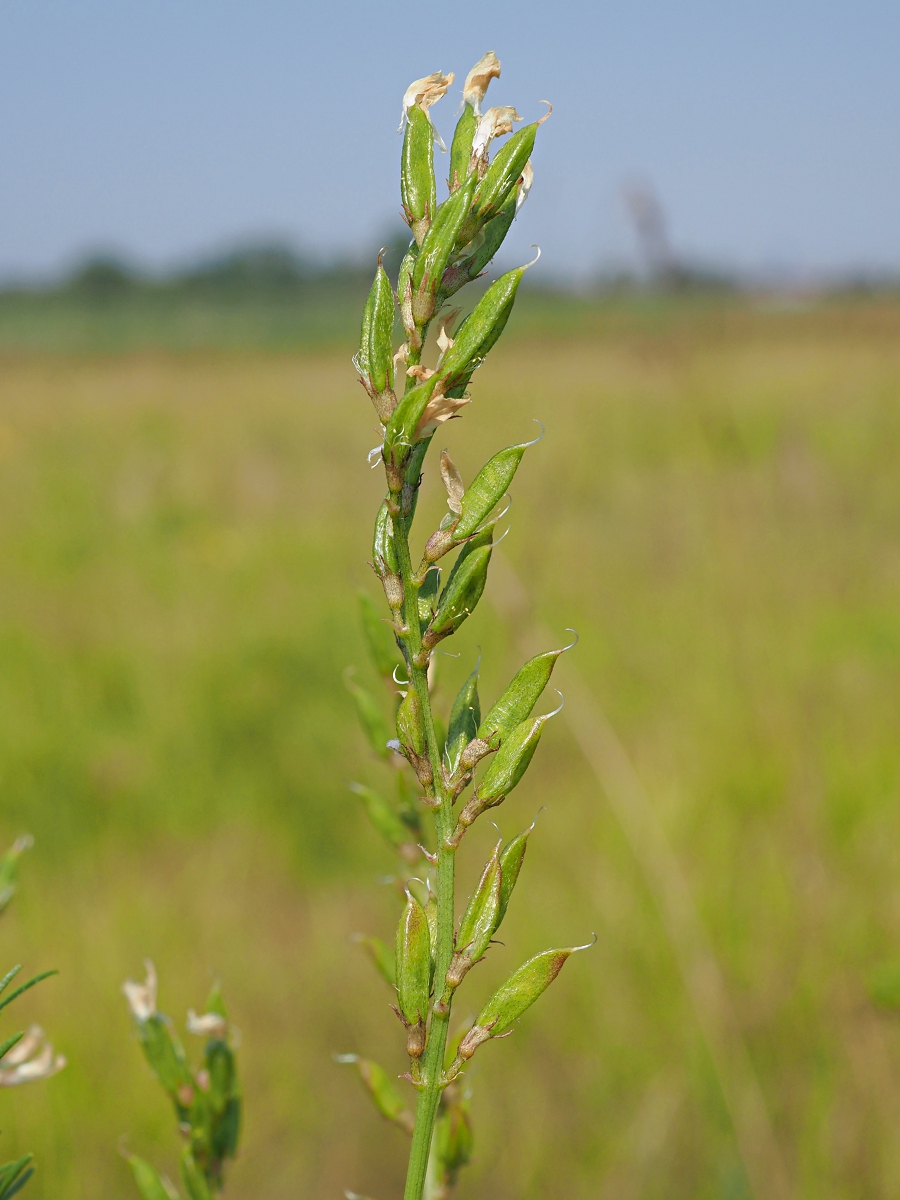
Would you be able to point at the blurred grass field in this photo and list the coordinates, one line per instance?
(714, 508)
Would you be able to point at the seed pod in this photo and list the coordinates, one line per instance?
(522, 988)
(384, 556)
(375, 357)
(464, 718)
(404, 297)
(193, 1178)
(383, 817)
(473, 258)
(461, 146)
(478, 333)
(504, 173)
(400, 433)
(164, 1053)
(382, 957)
(520, 697)
(511, 859)
(371, 717)
(418, 191)
(488, 488)
(479, 922)
(459, 597)
(427, 598)
(511, 762)
(413, 962)
(410, 725)
(379, 639)
(436, 250)
(381, 1089)
(149, 1183)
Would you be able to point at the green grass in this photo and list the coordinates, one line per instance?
(714, 508)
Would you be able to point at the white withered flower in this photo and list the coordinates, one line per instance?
(478, 79)
(141, 997)
(494, 123)
(425, 92)
(210, 1024)
(440, 409)
(31, 1058)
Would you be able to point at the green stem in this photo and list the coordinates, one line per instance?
(432, 1061)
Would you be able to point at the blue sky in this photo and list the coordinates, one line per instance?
(164, 129)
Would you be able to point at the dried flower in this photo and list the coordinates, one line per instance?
(31, 1058)
(141, 997)
(495, 123)
(211, 1024)
(425, 92)
(478, 79)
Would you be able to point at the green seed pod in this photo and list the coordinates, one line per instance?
(410, 726)
(427, 598)
(400, 432)
(382, 956)
(164, 1053)
(464, 719)
(482, 915)
(488, 488)
(520, 697)
(473, 258)
(460, 596)
(149, 1183)
(371, 717)
(384, 556)
(504, 173)
(461, 146)
(521, 990)
(374, 360)
(511, 762)
(418, 191)
(511, 860)
(382, 816)
(381, 1089)
(9, 868)
(437, 249)
(379, 639)
(193, 1179)
(413, 956)
(478, 333)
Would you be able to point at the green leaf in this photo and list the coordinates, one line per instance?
(10, 1042)
(382, 956)
(384, 819)
(9, 977)
(149, 1183)
(25, 986)
(9, 864)
(381, 1090)
(379, 638)
(371, 718)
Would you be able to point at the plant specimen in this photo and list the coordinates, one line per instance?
(207, 1099)
(452, 244)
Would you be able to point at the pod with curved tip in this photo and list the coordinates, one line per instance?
(504, 172)
(464, 718)
(418, 191)
(413, 959)
(482, 915)
(488, 488)
(460, 596)
(478, 333)
(375, 358)
(401, 428)
(148, 1181)
(193, 1178)
(519, 698)
(511, 858)
(519, 992)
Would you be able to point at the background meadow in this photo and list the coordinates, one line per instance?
(185, 515)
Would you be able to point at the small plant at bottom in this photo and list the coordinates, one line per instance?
(207, 1099)
(26, 1055)
(452, 244)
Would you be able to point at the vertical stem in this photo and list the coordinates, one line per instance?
(433, 1059)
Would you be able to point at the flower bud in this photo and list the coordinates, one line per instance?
(436, 248)
(478, 333)
(488, 488)
(520, 697)
(386, 821)
(479, 78)
(479, 922)
(382, 1091)
(461, 594)
(464, 718)
(375, 358)
(379, 639)
(410, 726)
(413, 966)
